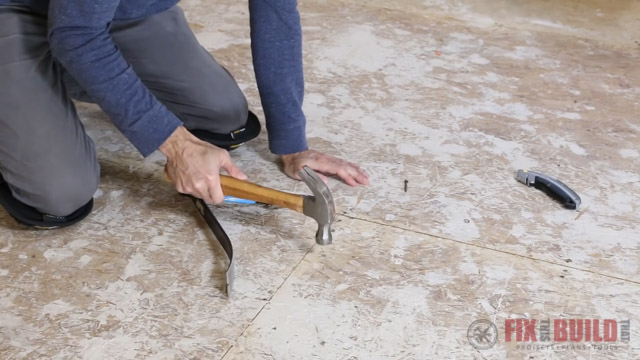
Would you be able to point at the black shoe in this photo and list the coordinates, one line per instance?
(27, 215)
(233, 139)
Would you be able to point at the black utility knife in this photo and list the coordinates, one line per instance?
(552, 186)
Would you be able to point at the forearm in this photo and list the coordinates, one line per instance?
(276, 45)
(80, 41)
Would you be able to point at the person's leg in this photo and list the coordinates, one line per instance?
(48, 163)
(166, 55)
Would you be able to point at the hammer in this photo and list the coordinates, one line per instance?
(319, 207)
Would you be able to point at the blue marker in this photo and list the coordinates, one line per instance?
(235, 200)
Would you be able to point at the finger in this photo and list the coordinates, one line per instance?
(201, 191)
(363, 173)
(347, 177)
(318, 168)
(358, 169)
(178, 183)
(216, 194)
(207, 198)
(182, 189)
(213, 189)
(335, 167)
(324, 178)
(359, 176)
(328, 167)
(361, 179)
(171, 176)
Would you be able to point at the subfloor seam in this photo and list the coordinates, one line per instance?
(284, 281)
(488, 248)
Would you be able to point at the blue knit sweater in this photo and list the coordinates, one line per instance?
(79, 39)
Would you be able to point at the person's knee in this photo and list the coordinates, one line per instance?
(65, 194)
(219, 111)
(231, 112)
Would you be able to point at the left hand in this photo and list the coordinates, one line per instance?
(326, 164)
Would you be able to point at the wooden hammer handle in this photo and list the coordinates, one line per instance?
(246, 190)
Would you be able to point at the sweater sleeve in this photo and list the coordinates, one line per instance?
(276, 46)
(80, 41)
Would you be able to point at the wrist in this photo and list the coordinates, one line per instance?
(287, 157)
(175, 142)
(284, 156)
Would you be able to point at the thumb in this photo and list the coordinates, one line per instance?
(292, 172)
(233, 170)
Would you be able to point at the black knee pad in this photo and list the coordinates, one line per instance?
(233, 139)
(27, 215)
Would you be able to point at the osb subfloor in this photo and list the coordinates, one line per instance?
(453, 97)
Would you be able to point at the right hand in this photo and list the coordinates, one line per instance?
(194, 166)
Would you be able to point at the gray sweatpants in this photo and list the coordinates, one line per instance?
(46, 157)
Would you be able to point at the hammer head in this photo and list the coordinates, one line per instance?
(320, 206)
